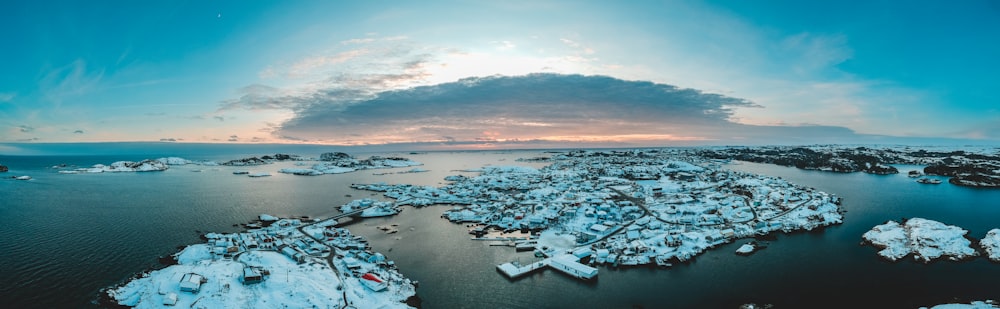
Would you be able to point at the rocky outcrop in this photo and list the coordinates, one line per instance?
(926, 240)
(246, 162)
(268, 159)
(991, 244)
(3, 169)
(339, 162)
(846, 160)
(972, 174)
(334, 156)
(141, 166)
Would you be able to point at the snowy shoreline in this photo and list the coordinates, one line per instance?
(926, 240)
(329, 265)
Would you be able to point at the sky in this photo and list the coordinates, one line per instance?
(495, 74)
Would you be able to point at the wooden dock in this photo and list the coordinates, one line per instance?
(514, 270)
(566, 263)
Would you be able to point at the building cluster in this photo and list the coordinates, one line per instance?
(253, 269)
(627, 207)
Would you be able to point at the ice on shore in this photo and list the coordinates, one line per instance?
(927, 240)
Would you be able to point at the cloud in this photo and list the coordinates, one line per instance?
(306, 66)
(340, 85)
(73, 79)
(168, 139)
(504, 45)
(78, 132)
(7, 96)
(233, 138)
(25, 128)
(219, 118)
(544, 107)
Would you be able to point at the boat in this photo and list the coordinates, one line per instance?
(373, 282)
(914, 174)
(527, 245)
(241, 172)
(929, 181)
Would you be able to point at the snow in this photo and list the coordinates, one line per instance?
(679, 205)
(327, 169)
(745, 249)
(556, 241)
(926, 239)
(174, 161)
(290, 285)
(991, 243)
(296, 274)
(301, 171)
(973, 305)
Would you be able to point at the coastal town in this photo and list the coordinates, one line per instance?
(285, 263)
(623, 208)
(583, 211)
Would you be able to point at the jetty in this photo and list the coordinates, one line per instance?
(515, 270)
(565, 263)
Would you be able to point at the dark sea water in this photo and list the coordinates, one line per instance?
(64, 237)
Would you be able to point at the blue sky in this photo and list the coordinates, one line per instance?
(357, 72)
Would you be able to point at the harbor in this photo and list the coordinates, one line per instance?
(439, 254)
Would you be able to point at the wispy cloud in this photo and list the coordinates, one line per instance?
(73, 79)
(7, 96)
(308, 66)
(25, 128)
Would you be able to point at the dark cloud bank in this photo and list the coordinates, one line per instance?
(537, 110)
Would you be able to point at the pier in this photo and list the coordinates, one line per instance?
(514, 270)
(566, 263)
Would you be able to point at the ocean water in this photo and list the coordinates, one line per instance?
(64, 237)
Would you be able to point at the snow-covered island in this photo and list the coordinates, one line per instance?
(339, 163)
(148, 165)
(991, 244)
(927, 240)
(267, 159)
(287, 264)
(123, 166)
(967, 166)
(989, 304)
(624, 208)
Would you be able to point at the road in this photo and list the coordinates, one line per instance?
(333, 250)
